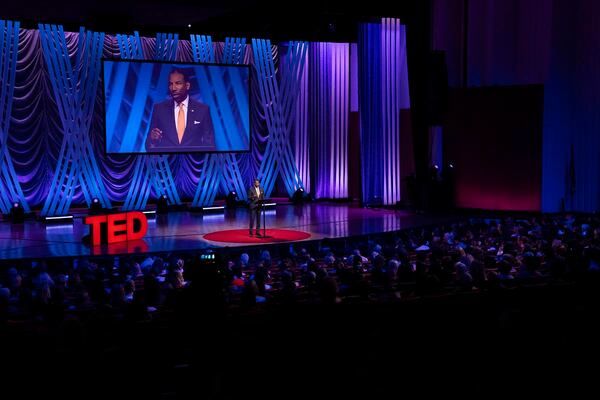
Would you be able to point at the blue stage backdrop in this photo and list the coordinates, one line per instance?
(383, 93)
(328, 111)
(10, 189)
(36, 130)
(37, 127)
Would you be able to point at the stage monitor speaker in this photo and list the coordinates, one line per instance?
(437, 88)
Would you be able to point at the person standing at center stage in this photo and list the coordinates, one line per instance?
(255, 196)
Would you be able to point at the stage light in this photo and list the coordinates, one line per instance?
(96, 207)
(434, 172)
(17, 213)
(162, 204)
(232, 199)
(189, 25)
(58, 219)
(150, 215)
(213, 208)
(298, 196)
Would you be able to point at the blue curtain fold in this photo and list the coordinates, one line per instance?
(371, 130)
(383, 92)
(323, 110)
(571, 141)
(35, 135)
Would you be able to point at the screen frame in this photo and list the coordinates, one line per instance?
(191, 63)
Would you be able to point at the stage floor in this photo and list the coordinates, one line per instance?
(184, 231)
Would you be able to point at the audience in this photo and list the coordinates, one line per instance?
(476, 255)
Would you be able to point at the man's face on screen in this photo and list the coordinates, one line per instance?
(178, 87)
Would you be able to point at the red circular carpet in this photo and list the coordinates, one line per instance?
(241, 236)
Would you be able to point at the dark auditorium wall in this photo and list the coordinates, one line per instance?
(493, 135)
(524, 42)
(491, 42)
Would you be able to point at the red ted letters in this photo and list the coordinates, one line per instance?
(115, 228)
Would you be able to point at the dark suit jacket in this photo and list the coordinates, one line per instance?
(253, 199)
(199, 134)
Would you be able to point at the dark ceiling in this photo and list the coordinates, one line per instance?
(278, 20)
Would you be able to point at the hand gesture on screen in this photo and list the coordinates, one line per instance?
(156, 135)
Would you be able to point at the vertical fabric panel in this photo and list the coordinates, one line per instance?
(329, 113)
(301, 137)
(74, 86)
(570, 162)
(353, 77)
(10, 188)
(278, 101)
(393, 47)
(371, 133)
(383, 93)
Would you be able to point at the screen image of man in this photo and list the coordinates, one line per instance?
(255, 196)
(180, 124)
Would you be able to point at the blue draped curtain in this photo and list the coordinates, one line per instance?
(321, 131)
(328, 115)
(383, 92)
(571, 142)
(35, 135)
(508, 41)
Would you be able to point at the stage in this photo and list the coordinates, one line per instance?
(185, 230)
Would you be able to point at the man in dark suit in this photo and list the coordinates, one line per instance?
(180, 124)
(255, 196)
